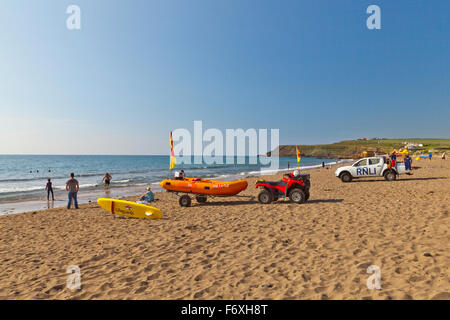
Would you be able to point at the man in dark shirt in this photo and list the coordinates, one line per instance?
(72, 187)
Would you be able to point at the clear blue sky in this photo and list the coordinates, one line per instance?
(138, 69)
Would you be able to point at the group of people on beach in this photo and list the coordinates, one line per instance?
(73, 186)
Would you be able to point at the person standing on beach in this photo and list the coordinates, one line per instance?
(107, 178)
(72, 187)
(443, 156)
(407, 163)
(49, 189)
(393, 159)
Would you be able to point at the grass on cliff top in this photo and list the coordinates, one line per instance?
(352, 147)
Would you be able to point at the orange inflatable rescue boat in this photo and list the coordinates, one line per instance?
(204, 186)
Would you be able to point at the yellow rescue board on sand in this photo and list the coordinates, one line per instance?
(129, 209)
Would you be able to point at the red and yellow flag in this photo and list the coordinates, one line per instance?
(298, 155)
(173, 160)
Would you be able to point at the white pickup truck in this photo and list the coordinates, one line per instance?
(371, 167)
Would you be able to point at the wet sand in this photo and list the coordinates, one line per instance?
(235, 248)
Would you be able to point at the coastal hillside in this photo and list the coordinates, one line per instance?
(354, 148)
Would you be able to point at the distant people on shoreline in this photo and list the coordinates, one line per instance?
(49, 189)
(107, 179)
(179, 175)
(72, 187)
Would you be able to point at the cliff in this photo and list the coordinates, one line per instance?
(352, 149)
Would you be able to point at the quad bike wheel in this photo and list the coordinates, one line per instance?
(297, 195)
(265, 197)
(185, 201)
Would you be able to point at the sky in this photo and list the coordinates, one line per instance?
(138, 69)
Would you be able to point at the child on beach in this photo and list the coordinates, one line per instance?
(148, 196)
(49, 189)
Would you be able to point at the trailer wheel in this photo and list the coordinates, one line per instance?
(346, 177)
(297, 195)
(390, 175)
(265, 197)
(201, 199)
(185, 201)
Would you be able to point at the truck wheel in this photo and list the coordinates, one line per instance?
(346, 177)
(201, 199)
(390, 175)
(297, 195)
(265, 197)
(306, 195)
(185, 201)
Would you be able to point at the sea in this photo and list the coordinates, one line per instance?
(23, 177)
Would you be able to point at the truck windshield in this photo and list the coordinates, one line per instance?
(363, 162)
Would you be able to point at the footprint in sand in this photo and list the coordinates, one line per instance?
(153, 276)
(198, 277)
(143, 287)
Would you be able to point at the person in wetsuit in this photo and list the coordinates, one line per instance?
(49, 189)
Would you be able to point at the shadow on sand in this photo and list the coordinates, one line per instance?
(251, 202)
(401, 179)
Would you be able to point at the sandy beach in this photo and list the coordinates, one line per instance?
(234, 248)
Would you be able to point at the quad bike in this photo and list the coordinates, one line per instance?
(294, 187)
